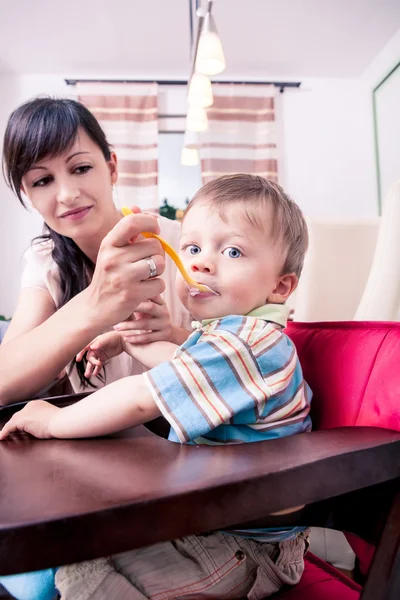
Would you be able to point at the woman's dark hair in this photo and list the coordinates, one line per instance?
(42, 128)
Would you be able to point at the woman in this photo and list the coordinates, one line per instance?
(84, 275)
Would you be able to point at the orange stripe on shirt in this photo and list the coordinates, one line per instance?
(296, 407)
(284, 379)
(264, 338)
(201, 390)
(241, 360)
(251, 331)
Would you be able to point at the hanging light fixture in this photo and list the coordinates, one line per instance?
(210, 59)
(200, 91)
(190, 157)
(190, 153)
(196, 119)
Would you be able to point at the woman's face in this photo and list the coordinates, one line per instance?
(73, 191)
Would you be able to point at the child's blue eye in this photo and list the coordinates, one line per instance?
(193, 249)
(232, 252)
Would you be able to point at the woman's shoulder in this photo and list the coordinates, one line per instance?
(40, 251)
(40, 269)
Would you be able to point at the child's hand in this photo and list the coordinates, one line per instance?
(100, 350)
(35, 418)
(151, 322)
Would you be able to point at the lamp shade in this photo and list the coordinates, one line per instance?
(200, 92)
(189, 156)
(210, 59)
(191, 139)
(196, 119)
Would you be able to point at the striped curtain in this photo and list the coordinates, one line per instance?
(128, 113)
(241, 137)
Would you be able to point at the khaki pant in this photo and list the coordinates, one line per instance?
(195, 567)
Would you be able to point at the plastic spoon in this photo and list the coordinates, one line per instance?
(171, 252)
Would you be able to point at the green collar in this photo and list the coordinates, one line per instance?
(277, 313)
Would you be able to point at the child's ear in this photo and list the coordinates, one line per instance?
(285, 286)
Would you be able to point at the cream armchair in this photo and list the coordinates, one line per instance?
(336, 269)
(381, 298)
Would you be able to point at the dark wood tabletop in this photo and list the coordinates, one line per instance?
(63, 501)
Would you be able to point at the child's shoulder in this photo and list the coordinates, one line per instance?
(271, 349)
(251, 330)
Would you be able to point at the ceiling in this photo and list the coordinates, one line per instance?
(262, 39)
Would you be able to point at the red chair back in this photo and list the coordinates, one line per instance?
(353, 369)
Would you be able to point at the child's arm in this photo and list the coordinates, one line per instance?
(100, 350)
(122, 404)
(151, 355)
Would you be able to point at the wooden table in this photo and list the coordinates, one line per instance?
(64, 501)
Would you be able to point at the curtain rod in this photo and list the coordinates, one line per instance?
(280, 84)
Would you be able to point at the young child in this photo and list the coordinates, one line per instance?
(236, 379)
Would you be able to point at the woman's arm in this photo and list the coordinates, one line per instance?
(34, 306)
(151, 322)
(122, 404)
(40, 342)
(39, 347)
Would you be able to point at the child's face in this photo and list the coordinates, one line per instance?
(237, 260)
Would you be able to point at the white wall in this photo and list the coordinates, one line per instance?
(328, 141)
(387, 103)
(387, 99)
(384, 62)
(328, 148)
(327, 151)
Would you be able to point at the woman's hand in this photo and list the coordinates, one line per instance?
(121, 278)
(151, 322)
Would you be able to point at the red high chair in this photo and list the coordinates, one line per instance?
(64, 501)
(353, 369)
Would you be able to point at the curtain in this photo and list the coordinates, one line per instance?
(128, 113)
(241, 137)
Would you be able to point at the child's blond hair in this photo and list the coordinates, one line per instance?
(255, 193)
